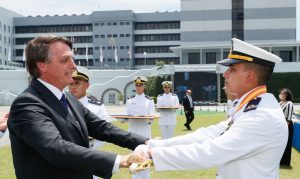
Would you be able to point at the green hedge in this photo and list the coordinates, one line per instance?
(285, 80)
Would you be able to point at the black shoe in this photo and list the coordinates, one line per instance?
(187, 127)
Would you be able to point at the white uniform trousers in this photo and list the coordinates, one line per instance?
(167, 131)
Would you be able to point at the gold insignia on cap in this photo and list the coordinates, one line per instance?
(138, 80)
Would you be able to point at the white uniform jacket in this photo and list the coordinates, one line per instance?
(250, 149)
(95, 107)
(167, 117)
(140, 105)
(2, 134)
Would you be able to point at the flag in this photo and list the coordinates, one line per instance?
(116, 55)
(129, 53)
(9, 54)
(86, 54)
(101, 54)
(24, 57)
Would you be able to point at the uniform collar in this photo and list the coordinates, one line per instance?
(52, 88)
(84, 100)
(242, 98)
(168, 94)
(140, 95)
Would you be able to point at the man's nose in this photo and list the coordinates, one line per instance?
(226, 73)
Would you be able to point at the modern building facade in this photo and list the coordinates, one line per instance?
(208, 25)
(108, 39)
(6, 35)
(199, 34)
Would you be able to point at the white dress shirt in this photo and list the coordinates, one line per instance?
(140, 105)
(167, 116)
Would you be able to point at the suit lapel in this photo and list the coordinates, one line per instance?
(55, 104)
(79, 118)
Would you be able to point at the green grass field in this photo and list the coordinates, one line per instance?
(202, 119)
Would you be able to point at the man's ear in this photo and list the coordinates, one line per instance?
(251, 76)
(41, 66)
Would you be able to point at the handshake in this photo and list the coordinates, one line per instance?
(137, 161)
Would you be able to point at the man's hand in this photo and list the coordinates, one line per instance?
(3, 122)
(127, 160)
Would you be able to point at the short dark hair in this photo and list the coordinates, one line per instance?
(288, 93)
(263, 73)
(37, 50)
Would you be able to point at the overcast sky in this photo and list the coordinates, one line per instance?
(69, 7)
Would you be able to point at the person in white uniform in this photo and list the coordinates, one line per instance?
(167, 120)
(140, 105)
(247, 146)
(3, 125)
(78, 88)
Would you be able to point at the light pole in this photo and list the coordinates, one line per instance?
(172, 72)
(145, 54)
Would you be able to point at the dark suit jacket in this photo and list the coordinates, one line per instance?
(49, 142)
(186, 104)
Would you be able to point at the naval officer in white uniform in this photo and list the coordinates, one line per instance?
(167, 120)
(78, 88)
(140, 105)
(251, 144)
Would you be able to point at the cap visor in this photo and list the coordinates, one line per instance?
(228, 62)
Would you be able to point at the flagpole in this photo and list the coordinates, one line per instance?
(86, 56)
(129, 57)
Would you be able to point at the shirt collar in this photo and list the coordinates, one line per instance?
(52, 88)
(140, 95)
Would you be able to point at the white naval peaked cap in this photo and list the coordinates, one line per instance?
(139, 79)
(82, 73)
(167, 83)
(244, 52)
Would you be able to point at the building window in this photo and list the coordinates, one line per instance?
(102, 36)
(237, 17)
(115, 35)
(127, 35)
(157, 25)
(122, 35)
(109, 35)
(127, 23)
(115, 23)
(194, 58)
(211, 57)
(286, 56)
(121, 23)
(96, 36)
(96, 48)
(96, 24)
(102, 24)
(112, 98)
(157, 37)
(108, 23)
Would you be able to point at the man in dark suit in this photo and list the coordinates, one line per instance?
(49, 128)
(188, 105)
